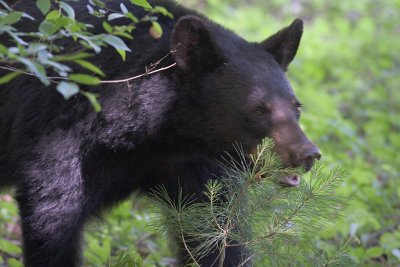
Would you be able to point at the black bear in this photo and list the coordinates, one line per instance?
(68, 162)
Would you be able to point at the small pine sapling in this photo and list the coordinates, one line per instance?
(277, 224)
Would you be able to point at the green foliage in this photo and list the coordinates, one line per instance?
(142, 3)
(10, 244)
(41, 54)
(67, 89)
(44, 6)
(124, 239)
(93, 100)
(275, 222)
(9, 248)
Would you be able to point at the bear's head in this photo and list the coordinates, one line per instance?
(238, 92)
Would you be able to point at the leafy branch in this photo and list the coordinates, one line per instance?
(247, 207)
(37, 53)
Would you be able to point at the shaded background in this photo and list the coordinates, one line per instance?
(347, 74)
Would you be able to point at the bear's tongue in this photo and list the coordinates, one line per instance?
(291, 180)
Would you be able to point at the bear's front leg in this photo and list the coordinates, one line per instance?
(53, 208)
(52, 215)
(52, 220)
(51, 233)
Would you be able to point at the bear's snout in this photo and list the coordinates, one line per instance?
(292, 145)
(309, 155)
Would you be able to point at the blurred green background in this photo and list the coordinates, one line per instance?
(347, 75)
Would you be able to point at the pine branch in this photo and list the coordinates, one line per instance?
(248, 206)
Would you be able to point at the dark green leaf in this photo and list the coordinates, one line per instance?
(88, 42)
(107, 27)
(89, 66)
(43, 5)
(142, 3)
(47, 27)
(9, 76)
(99, 3)
(162, 10)
(93, 100)
(12, 262)
(11, 18)
(122, 54)
(65, 22)
(124, 34)
(54, 14)
(85, 79)
(156, 30)
(116, 42)
(9, 247)
(130, 16)
(3, 49)
(373, 252)
(71, 57)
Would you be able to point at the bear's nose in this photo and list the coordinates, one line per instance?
(309, 156)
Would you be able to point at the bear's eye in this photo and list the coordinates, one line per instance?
(258, 112)
(298, 107)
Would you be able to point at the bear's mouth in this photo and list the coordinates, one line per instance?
(290, 180)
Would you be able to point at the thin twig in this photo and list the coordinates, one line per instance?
(9, 68)
(149, 70)
(184, 242)
(106, 81)
(212, 210)
(141, 75)
(246, 260)
(130, 93)
(223, 252)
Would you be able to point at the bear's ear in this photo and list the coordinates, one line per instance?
(192, 45)
(283, 45)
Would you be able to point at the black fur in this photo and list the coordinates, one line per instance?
(68, 163)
